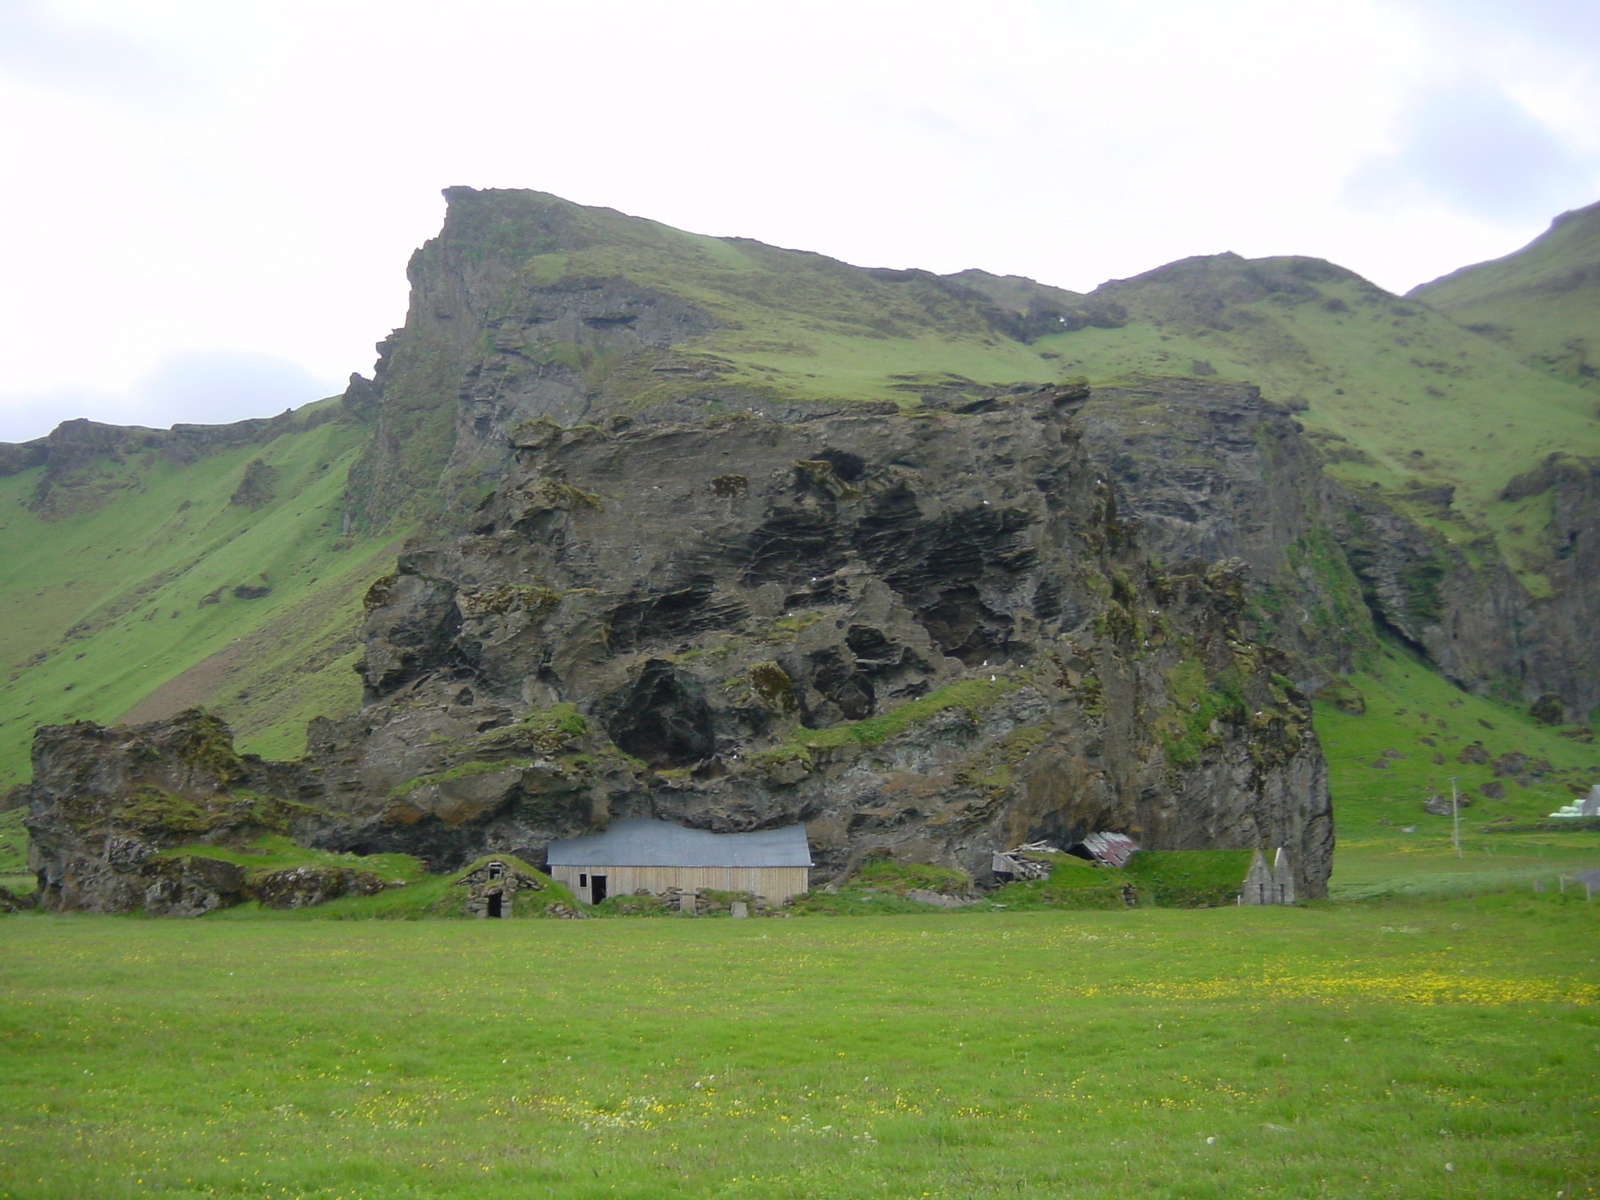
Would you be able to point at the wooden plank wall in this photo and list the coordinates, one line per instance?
(777, 884)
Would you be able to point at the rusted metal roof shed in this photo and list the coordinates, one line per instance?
(1113, 849)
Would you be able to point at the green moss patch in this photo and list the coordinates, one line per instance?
(13, 842)
(1073, 883)
(265, 855)
(900, 878)
(466, 770)
(970, 694)
(632, 906)
(1188, 878)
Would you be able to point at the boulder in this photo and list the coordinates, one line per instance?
(301, 887)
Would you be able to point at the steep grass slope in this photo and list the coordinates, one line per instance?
(1401, 397)
(155, 590)
(1417, 733)
(1542, 303)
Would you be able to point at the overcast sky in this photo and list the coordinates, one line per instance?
(210, 205)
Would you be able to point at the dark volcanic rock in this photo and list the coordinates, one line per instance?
(925, 635)
(1439, 805)
(301, 887)
(105, 803)
(1211, 471)
(21, 456)
(930, 636)
(517, 312)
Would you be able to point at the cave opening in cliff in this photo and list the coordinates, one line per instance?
(662, 718)
(966, 628)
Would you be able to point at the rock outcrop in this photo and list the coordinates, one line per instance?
(529, 307)
(681, 563)
(108, 806)
(928, 635)
(1212, 470)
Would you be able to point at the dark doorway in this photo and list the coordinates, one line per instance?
(495, 905)
(597, 888)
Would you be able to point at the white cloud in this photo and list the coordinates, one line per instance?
(253, 175)
(1473, 148)
(194, 387)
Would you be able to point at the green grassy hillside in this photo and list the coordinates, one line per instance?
(1416, 733)
(1542, 303)
(130, 609)
(1399, 396)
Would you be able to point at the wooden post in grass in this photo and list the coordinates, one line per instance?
(1455, 817)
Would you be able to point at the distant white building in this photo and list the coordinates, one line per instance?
(1583, 806)
(637, 854)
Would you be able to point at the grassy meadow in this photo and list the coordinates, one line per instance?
(1433, 1030)
(1406, 1048)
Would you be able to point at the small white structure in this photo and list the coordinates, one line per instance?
(1269, 885)
(637, 854)
(1583, 806)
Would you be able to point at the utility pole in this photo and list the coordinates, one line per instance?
(1455, 817)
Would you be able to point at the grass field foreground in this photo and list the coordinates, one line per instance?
(1407, 1049)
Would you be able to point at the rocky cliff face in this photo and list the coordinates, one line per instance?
(527, 307)
(924, 635)
(670, 576)
(1211, 470)
(487, 344)
(929, 636)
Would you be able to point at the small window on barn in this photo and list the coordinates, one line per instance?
(583, 880)
(497, 870)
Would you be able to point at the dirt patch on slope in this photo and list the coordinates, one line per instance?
(233, 679)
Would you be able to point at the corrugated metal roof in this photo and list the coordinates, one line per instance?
(641, 842)
(1113, 849)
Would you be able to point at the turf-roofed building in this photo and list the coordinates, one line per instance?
(637, 854)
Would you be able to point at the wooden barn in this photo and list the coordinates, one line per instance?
(637, 854)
